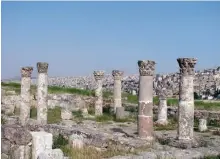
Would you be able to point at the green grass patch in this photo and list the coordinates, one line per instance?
(33, 113)
(53, 115)
(172, 125)
(104, 118)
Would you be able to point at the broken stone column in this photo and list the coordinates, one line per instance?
(120, 112)
(98, 75)
(202, 125)
(42, 68)
(117, 75)
(186, 99)
(25, 95)
(41, 142)
(162, 109)
(145, 101)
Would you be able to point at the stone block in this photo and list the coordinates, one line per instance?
(66, 114)
(41, 142)
(76, 141)
(20, 152)
(51, 154)
(202, 125)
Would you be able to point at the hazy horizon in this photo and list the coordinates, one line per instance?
(76, 38)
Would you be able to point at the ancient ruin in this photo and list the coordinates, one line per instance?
(186, 99)
(145, 100)
(117, 75)
(40, 122)
(25, 94)
(98, 75)
(42, 69)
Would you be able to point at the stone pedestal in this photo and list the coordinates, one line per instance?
(120, 112)
(186, 99)
(162, 111)
(98, 75)
(25, 94)
(202, 125)
(76, 141)
(41, 142)
(66, 114)
(145, 100)
(117, 75)
(42, 88)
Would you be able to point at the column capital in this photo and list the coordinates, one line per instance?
(117, 74)
(98, 75)
(26, 71)
(163, 93)
(187, 65)
(42, 67)
(146, 67)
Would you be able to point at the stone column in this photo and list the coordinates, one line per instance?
(98, 75)
(202, 125)
(117, 75)
(145, 101)
(162, 110)
(25, 94)
(42, 68)
(186, 99)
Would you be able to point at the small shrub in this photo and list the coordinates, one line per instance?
(3, 121)
(104, 118)
(77, 114)
(59, 141)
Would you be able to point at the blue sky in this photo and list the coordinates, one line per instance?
(76, 38)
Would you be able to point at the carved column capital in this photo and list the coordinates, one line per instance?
(98, 75)
(146, 67)
(26, 71)
(117, 75)
(42, 67)
(187, 65)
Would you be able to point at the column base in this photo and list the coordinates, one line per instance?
(161, 122)
(145, 127)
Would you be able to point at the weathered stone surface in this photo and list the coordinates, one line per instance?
(5, 146)
(4, 156)
(42, 91)
(16, 134)
(117, 75)
(20, 152)
(25, 95)
(120, 113)
(186, 99)
(98, 92)
(146, 67)
(145, 100)
(76, 141)
(51, 154)
(202, 125)
(42, 67)
(41, 142)
(66, 114)
(162, 112)
(26, 71)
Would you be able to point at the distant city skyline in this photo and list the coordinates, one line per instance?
(76, 38)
